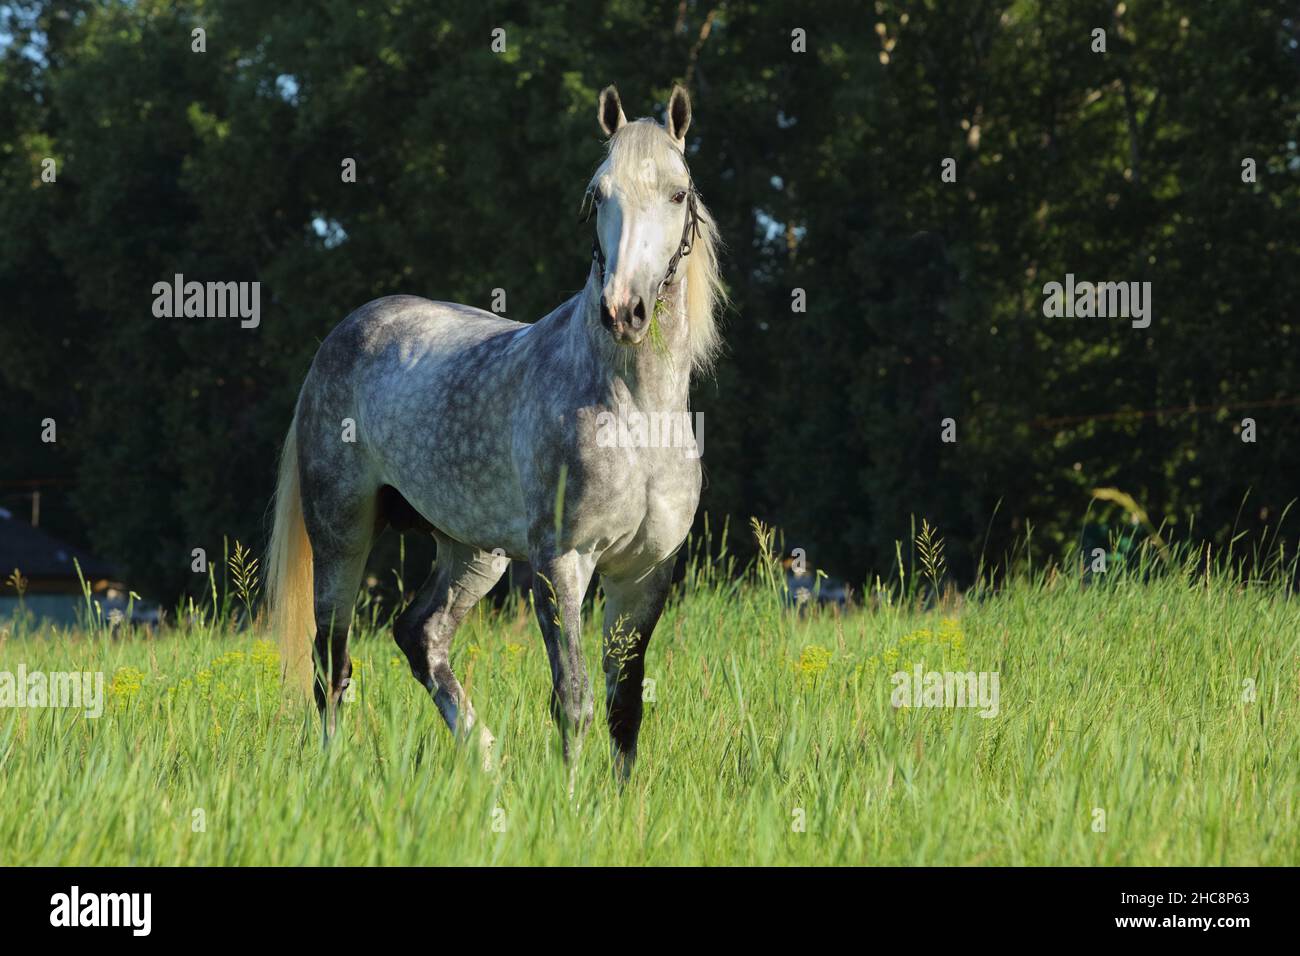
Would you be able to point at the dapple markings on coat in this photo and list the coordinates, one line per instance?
(468, 425)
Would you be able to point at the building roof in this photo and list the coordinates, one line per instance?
(40, 555)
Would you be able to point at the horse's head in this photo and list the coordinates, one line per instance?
(647, 214)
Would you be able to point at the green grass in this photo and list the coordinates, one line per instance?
(1128, 697)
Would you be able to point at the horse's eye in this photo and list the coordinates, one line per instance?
(679, 196)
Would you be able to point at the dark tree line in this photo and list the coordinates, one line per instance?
(923, 298)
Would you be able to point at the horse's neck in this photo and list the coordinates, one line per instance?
(653, 376)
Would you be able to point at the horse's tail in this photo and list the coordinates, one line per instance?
(289, 565)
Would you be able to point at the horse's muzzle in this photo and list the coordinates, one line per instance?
(627, 323)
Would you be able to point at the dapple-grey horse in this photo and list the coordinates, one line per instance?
(486, 433)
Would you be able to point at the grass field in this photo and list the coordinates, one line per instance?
(1168, 704)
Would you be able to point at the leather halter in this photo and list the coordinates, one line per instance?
(690, 232)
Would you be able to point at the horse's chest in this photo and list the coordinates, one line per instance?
(672, 495)
(647, 508)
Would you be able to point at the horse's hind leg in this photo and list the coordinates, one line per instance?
(424, 630)
(632, 609)
(340, 525)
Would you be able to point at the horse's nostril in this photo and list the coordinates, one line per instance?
(606, 315)
(638, 312)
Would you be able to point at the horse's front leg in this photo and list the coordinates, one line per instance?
(632, 609)
(559, 583)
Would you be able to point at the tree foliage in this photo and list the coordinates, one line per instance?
(924, 297)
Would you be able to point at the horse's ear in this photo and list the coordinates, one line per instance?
(610, 111)
(679, 113)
